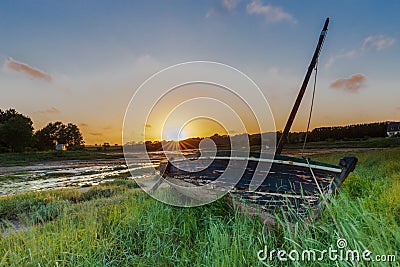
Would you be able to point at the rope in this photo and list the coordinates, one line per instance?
(311, 109)
(325, 201)
(308, 162)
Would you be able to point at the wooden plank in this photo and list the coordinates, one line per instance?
(287, 187)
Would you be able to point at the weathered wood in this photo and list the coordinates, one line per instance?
(287, 187)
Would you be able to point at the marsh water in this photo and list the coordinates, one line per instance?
(77, 173)
(69, 173)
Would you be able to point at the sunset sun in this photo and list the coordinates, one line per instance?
(175, 134)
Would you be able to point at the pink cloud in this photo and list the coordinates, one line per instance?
(351, 84)
(51, 110)
(33, 72)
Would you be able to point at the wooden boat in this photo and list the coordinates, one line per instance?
(298, 187)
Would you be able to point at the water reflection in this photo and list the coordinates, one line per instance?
(71, 173)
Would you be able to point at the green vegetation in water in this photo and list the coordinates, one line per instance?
(119, 176)
(9, 177)
(112, 225)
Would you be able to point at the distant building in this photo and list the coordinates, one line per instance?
(393, 129)
(61, 147)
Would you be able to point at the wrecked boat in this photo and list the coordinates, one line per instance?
(297, 187)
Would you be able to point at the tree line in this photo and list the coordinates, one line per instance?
(334, 133)
(17, 134)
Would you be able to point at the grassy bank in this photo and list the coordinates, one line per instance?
(18, 159)
(378, 142)
(118, 225)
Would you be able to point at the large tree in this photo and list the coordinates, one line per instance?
(59, 133)
(15, 130)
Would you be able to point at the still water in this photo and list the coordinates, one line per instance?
(70, 173)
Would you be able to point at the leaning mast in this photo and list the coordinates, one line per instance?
(303, 88)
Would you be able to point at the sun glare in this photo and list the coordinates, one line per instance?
(175, 135)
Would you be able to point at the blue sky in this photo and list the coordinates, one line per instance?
(98, 52)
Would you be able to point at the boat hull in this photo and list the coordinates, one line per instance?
(287, 184)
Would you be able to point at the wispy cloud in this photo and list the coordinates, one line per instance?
(96, 134)
(51, 110)
(270, 12)
(32, 72)
(377, 42)
(351, 84)
(83, 124)
(342, 54)
(370, 43)
(230, 5)
(212, 12)
(223, 7)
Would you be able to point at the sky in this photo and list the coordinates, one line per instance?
(83, 61)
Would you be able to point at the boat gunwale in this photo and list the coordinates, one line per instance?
(282, 160)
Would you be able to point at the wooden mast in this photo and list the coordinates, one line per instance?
(296, 106)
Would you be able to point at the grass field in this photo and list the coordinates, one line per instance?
(18, 159)
(116, 224)
(377, 142)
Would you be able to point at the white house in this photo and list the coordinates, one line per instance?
(393, 129)
(61, 147)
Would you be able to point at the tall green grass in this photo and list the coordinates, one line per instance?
(129, 228)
